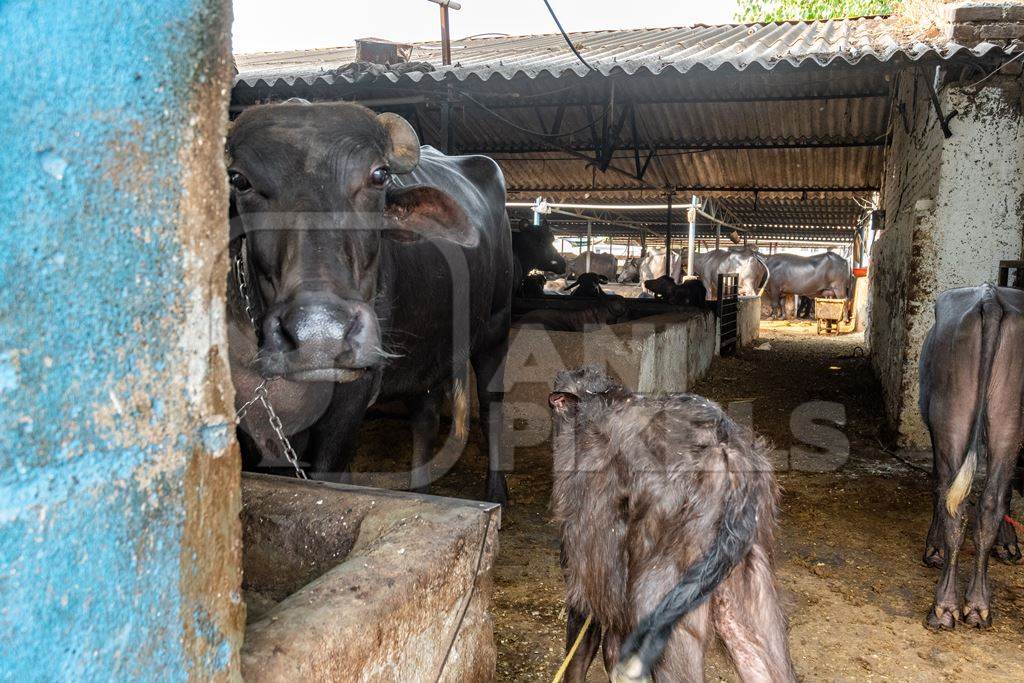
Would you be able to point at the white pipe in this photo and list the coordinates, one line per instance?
(692, 237)
(590, 227)
(620, 207)
(599, 207)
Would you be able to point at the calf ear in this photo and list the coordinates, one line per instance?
(415, 213)
(564, 404)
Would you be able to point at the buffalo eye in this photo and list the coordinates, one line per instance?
(239, 181)
(380, 175)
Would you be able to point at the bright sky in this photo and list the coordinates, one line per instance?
(268, 25)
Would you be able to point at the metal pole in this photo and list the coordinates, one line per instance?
(718, 236)
(446, 39)
(668, 237)
(692, 235)
(590, 232)
(866, 244)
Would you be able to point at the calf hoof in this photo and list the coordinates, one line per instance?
(941, 619)
(1007, 554)
(933, 557)
(978, 617)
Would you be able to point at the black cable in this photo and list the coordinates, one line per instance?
(566, 36)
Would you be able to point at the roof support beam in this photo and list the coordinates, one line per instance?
(687, 147)
(698, 189)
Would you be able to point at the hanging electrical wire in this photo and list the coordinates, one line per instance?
(565, 35)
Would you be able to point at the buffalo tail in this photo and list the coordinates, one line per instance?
(736, 531)
(991, 316)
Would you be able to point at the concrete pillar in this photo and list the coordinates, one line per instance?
(954, 209)
(119, 475)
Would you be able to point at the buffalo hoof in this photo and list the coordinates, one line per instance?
(1007, 554)
(978, 617)
(497, 488)
(933, 557)
(941, 619)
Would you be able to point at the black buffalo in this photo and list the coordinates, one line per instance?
(588, 285)
(376, 268)
(972, 398)
(533, 249)
(690, 292)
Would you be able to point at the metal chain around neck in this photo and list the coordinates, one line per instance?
(260, 395)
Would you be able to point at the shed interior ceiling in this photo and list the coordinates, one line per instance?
(785, 147)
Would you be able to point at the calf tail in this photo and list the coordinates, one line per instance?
(736, 531)
(991, 317)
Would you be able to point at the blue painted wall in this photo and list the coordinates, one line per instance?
(118, 478)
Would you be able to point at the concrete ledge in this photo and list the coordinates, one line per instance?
(660, 354)
(352, 584)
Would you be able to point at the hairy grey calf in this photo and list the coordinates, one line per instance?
(666, 509)
(972, 396)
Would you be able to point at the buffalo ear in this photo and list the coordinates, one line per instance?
(403, 143)
(415, 213)
(564, 404)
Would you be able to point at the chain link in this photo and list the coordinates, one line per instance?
(242, 278)
(260, 395)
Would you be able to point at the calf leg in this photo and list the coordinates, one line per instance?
(683, 659)
(994, 500)
(747, 616)
(580, 663)
(489, 368)
(425, 415)
(610, 649)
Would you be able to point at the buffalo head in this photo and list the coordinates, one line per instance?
(534, 247)
(317, 191)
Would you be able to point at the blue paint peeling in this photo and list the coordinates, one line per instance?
(92, 119)
(8, 371)
(215, 437)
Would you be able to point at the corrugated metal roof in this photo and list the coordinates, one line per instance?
(808, 143)
(653, 50)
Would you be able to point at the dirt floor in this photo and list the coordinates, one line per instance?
(849, 545)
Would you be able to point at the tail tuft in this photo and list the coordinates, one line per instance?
(961, 485)
(460, 409)
(630, 671)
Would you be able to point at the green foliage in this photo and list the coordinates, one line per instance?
(749, 11)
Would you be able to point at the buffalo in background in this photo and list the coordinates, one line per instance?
(822, 275)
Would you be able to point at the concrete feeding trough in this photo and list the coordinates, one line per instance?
(353, 584)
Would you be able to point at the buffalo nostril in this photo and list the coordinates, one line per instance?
(277, 335)
(354, 326)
